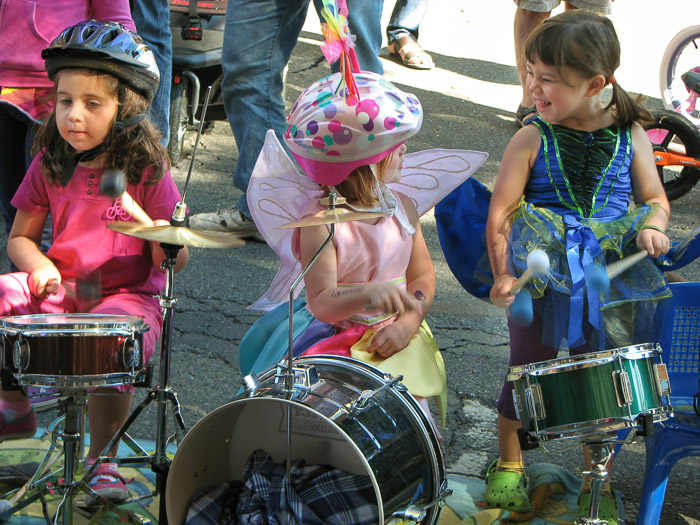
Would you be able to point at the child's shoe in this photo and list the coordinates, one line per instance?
(506, 488)
(107, 483)
(607, 509)
(18, 428)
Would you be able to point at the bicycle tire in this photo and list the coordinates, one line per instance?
(673, 93)
(676, 183)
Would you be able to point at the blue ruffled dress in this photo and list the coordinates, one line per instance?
(576, 208)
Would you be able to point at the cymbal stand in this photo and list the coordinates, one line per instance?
(601, 452)
(163, 393)
(332, 201)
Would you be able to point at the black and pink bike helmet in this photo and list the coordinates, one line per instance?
(105, 46)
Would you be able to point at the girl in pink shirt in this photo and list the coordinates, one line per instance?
(104, 79)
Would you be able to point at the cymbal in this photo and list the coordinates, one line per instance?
(334, 215)
(177, 235)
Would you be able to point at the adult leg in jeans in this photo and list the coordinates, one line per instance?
(13, 136)
(152, 20)
(259, 38)
(402, 31)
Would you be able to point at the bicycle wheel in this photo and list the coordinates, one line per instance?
(682, 54)
(178, 118)
(674, 133)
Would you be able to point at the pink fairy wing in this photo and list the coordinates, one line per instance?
(428, 176)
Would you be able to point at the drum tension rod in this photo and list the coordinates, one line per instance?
(366, 395)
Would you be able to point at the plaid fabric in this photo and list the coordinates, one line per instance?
(320, 494)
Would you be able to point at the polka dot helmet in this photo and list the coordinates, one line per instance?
(329, 138)
(105, 46)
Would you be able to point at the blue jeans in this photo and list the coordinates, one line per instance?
(259, 38)
(152, 20)
(405, 19)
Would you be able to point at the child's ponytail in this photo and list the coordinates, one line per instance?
(626, 108)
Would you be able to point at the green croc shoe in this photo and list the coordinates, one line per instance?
(505, 489)
(607, 510)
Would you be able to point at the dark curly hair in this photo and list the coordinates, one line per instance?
(131, 150)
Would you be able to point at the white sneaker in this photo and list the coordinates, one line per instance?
(227, 221)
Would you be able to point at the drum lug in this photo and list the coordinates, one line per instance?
(21, 354)
(418, 514)
(534, 402)
(623, 388)
(366, 395)
(251, 383)
(662, 381)
(131, 353)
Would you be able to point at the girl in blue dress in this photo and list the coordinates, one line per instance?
(564, 186)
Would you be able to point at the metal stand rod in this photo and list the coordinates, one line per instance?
(289, 378)
(600, 455)
(74, 407)
(162, 394)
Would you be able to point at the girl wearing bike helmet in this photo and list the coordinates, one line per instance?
(104, 78)
(369, 290)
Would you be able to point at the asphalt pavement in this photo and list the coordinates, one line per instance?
(469, 101)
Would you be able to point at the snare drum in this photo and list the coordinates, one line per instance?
(73, 350)
(344, 413)
(591, 394)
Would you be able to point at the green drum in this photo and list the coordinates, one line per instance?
(591, 394)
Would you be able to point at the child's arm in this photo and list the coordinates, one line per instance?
(512, 177)
(23, 249)
(647, 187)
(331, 303)
(420, 283)
(158, 255)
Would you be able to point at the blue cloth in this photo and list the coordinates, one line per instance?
(267, 341)
(152, 21)
(405, 19)
(461, 225)
(259, 37)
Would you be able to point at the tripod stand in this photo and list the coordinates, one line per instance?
(162, 394)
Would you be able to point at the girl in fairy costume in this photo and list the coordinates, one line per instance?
(564, 186)
(370, 290)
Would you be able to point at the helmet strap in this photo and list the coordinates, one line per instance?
(85, 156)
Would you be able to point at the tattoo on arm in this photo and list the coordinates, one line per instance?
(346, 291)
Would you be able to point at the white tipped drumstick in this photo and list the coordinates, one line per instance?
(537, 262)
(616, 268)
(521, 310)
(602, 275)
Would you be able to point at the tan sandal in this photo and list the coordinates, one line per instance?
(410, 53)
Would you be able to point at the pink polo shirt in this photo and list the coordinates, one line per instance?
(82, 243)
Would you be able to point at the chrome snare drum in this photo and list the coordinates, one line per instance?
(73, 350)
(591, 394)
(345, 413)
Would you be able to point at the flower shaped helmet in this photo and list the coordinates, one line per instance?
(105, 46)
(329, 136)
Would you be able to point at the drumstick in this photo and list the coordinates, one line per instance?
(602, 275)
(537, 262)
(521, 309)
(113, 184)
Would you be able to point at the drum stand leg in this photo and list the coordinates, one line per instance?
(72, 442)
(162, 394)
(600, 455)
